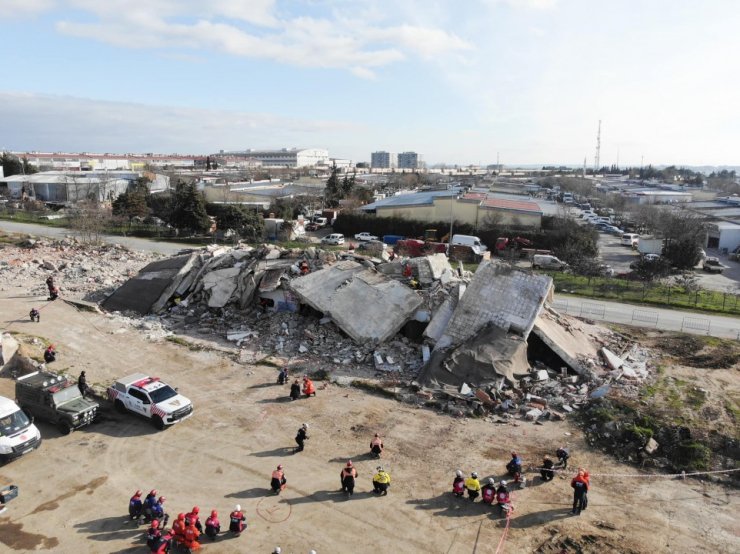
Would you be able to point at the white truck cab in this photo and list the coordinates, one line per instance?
(18, 434)
(151, 398)
(473, 242)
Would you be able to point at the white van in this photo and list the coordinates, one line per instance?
(546, 261)
(467, 240)
(18, 434)
(630, 239)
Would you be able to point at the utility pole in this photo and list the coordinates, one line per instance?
(598, 150)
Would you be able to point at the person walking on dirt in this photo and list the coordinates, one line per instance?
(301, 437)
(347, 478)
(473, 486)
(308, 387)
(563, 455)
(237, 521)
(278, 481)
(295, 390)
(35, 315)
(458, 484)
(580, 484)
(376, 446)
(546, 472)
(381, 481)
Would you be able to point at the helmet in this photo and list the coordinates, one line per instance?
(490, 481)
(503, 483)
(214, 513)
(161, 499)
(379, 468)
(238, 508)
(277, 550)
(137, 493)
(155, 523)
(474, 475)
(153, 492)
(459, 473)
(349, 463)
(196, 510)
(377, 435)
(305, 425)
(312, 552)
(180, 516)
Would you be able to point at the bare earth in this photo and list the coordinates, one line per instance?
(74, 490)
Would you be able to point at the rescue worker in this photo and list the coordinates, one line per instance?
(295, 390)
(50, 354)
(381, 481)
(376, 446)
(213, 525)
(277, 483)
(303, 267)
(191, 537)
(347, 477)
(237, 521)
(563, 455)
(488, 492)
(301, 437)
(580, 484)
(35, 315)
(283, 376)
(194, 518)
(82, 384)
(149, 502)
(277, 550)
(546, 472)
(308, 387)
(135, 506)
(178, 528)
(162, 544)
(514, 467)
(53, 293)
(158, 510)
(503, 498)
(458, 484)
(50, 283)
(473, 486)
(153, 533)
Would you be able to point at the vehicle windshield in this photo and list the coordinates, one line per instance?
(13, 423)
(65, 395)
(164, 393)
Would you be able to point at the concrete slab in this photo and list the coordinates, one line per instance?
(8, 347)
(221, 285)
(568, 338)
(365, 304)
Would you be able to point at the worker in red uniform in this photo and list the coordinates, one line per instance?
(191, 537)
(153, 534)
(347, 477)
(376, 446)
(178, 527)
(580, 484)
(488, 492)
(277, 483)
(50, 354)
(135, 506)
(213, 525)
(458, 484)
(195, 518)
(308, 387)
(237, 521)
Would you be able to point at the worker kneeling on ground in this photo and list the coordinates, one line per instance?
(278, 481)
(308, 388)
(473, 486)
(347, 478)
(376, 446)
(503, 498)
(381, 481)
(488, 492)
(213, 525)
(458, 484)
(237, 521)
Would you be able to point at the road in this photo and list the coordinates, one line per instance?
(648, 316)
(167, 248)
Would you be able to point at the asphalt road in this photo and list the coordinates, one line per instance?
(167, 248)
(648, 316)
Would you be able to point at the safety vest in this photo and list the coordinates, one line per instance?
(349, 472)
(488, 494)
(382, 477)
(472, 484)
(458, 485)
(502, 497)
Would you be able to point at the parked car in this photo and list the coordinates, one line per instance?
(364, 236)
(647, 258)
(713, 265)
(334, 238)
(545, 261)
(614, 230)
(630, 239)
(606, 270)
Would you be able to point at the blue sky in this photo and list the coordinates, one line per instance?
(457, 81)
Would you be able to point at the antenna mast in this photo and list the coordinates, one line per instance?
(598, 150)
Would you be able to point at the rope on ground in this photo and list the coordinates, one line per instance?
(502, 540)
(641, 475)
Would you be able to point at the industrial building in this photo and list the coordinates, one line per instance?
(70, 187)
(85, 161)
(285, 157)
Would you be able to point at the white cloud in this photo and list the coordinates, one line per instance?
(65, 123)
(14, 8)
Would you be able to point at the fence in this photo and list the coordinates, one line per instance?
(696, 324)
(645, 316)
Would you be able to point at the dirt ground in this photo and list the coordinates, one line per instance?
(74, 490)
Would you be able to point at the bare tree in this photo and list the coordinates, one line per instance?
(89, 220)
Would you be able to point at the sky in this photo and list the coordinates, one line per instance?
(459, 81)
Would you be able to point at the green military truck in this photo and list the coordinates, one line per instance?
(55, 399)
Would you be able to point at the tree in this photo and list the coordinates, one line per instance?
(586, 267)
(14, 166)
(648, 270)
(686, 281)
(89, 219)
(134, 202)
(247, 224)
(333, 190)
(189, 209)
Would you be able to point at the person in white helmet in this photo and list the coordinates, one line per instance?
(301, 437)
(488, 493)
(277, 550)
(473, 486)
(458, 484)
(237, 521)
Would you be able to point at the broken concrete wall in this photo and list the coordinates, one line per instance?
(365, 304)
(8, 348)
(501, 295)
(567, 338)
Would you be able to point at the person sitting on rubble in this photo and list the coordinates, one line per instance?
(458, 484)
(563, 455)
(308, 387)
(295, 390)
(546, 471)
(376, 446)
(53, 293)
(35, 315)
(514, 467)
(283, 376)
(488, 492)
(50, 354)
(304, 268)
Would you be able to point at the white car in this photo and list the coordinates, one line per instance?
(334, 238)
(365, 236)
(151, 398)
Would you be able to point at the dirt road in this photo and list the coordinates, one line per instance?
(74, 490)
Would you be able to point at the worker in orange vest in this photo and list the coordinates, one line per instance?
(376, 446)
(308, 387)
(348, 476)
(191, 537)
(278, 480)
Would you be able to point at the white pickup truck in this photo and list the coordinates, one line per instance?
(151, 398)
(364, 236)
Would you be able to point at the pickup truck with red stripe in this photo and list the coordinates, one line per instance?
(150, 397)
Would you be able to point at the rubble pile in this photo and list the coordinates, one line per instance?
(81, 271)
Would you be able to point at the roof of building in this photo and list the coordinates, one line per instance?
(725, 225)
(513, 205)
(414, 199)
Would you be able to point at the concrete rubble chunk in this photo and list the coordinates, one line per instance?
(611, 359)
(8, 348)
(652, 446)
(465, 389)
(533, 414)
(221, 284)
(542, 375)
(567, 337)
